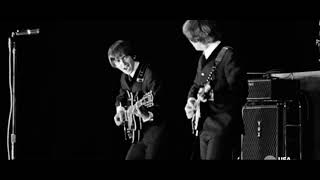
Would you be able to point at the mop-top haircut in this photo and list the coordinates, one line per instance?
(204, 31)
(119, 49)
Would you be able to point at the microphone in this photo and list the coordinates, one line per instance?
(27, 32)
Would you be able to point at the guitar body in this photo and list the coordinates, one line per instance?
(132, 129)
(133, 124)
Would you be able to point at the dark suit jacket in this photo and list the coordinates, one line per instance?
(230, 92)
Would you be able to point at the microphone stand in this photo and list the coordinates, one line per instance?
(12, 83)
(12, 79)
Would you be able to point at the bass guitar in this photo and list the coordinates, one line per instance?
(204, 95)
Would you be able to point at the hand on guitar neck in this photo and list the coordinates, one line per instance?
(123, 114)
(119, 118)
(146, 116)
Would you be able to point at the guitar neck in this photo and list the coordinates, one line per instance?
(145, 100)
(140, 102)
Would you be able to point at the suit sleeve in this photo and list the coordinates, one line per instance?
(122, 96)
(236, 78)
(154, 83)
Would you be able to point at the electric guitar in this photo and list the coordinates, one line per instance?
(133, 123)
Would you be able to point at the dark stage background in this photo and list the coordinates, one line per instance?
(66, 87)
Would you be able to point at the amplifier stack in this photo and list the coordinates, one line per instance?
(272, 120)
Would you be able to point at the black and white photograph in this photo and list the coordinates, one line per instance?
(133, 88)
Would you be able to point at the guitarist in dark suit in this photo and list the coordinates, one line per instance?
(221, 125)
(137, 80)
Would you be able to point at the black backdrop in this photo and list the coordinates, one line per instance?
(67, 88)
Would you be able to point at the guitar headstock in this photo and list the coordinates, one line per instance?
(147, 100)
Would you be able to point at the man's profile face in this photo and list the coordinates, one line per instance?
(125, 64)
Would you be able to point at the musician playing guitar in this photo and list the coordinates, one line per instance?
(215, 104)
(138, 102)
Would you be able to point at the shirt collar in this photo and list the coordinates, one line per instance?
(210, 49)
(136, 65)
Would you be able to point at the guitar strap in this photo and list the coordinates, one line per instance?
(213, 71)
(140, 76)
(220, 55)
(218, 60)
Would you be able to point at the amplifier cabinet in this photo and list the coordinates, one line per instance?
(272, 131)
(272, 89)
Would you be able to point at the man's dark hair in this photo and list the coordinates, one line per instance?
(118, 49)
